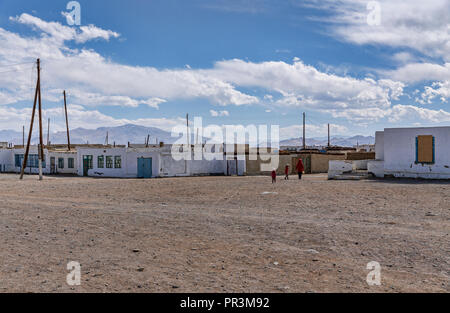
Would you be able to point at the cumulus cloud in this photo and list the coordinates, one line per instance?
(437, 89)
(300, 84)
(61, 33)
(219, 113)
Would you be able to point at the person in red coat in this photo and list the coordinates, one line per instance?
(274, 176)
(286, 172)
(300, 168)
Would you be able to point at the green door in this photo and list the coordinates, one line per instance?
(144, 167)
(87, 164)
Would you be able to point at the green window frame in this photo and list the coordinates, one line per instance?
(70, 163)
(101, 161)
(60, 162)
(117, 161)
(109, 161)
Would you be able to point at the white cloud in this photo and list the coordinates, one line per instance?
(397, 113)
(61, 33)
(219, 113)
(301, 84)
(415, 24)
(79, 116)
(417, 72)
(437, 89)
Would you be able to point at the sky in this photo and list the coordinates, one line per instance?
(359, 65)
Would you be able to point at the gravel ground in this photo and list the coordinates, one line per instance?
(223, 234)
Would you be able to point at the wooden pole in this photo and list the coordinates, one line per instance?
(27, 150)
(67, 121)
(41, 144)
(187, 129)
(304, 132)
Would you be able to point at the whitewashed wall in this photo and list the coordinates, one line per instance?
(6, 160)
(379, 145)
(65, 155)
(129, 158)
(400, 153)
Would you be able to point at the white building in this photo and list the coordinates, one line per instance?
(55, 161)
(412, 152)
(127, 162)
(152, 161)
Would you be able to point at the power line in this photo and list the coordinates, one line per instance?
(8, 65)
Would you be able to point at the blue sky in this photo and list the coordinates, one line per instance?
(231, 62)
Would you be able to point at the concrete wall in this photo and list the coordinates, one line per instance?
(376, 168)
(379, 145)
(339, 167)
(320, 162)
(6, 160)
(400, 153)
(28, 170)
(128, 156)
(65, 155)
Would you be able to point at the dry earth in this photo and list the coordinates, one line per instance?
(223, 234)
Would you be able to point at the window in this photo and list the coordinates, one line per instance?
(32, 161)
(18, 160)
(109, 161)
(70, 163)
(60, 162)
(425, 149)
(118, 161)
(101, 161)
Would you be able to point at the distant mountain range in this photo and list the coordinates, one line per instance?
(335, 141)
(138, 134)
(120, 135)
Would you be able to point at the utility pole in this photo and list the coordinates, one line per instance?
(41, 143)
(23, 136)
(329, 135)
(27, 150)
(48, 132)
(304, 132)
(67, 121)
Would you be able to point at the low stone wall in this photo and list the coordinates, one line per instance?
(339, 167)
(376, 168)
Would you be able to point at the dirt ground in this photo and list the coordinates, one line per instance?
(223, 234)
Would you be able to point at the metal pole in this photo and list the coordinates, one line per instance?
(27, 150)
(328, 134)
(67, 121)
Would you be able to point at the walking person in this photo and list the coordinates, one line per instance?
(286, 172)
(274, 176)
(300, 168)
